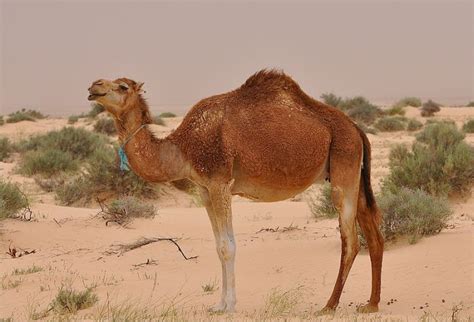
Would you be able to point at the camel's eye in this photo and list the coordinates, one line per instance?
(123, 87)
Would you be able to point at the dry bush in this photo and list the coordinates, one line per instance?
(69, 301)
(391, 124)
(24, 115)
(124, 210)
(361, 110)
(414, 125)
(408, 101)
(48, 163)
(429, 108)
(12, 200)
(106, 126)
(439, 162)
(6, 148)
(331, 99)
(321, 205)
(468, 127)
(281, 303)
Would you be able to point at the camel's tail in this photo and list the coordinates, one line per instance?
(365, 177)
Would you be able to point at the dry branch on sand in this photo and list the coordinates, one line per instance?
(121, 249)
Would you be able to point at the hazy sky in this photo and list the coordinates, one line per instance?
(184, 51)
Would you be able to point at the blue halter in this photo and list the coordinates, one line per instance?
(124, 165)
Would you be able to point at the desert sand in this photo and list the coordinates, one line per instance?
(431, 279)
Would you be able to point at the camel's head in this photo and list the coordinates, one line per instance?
(116, 96)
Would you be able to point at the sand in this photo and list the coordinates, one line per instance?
(73, 247)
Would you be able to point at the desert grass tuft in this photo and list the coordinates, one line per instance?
(391, 124)
(281, 303)
(414, 125)
(124, 210)
(30, 270)
(69, 301)
(468, 127)
(210, 287)
(321, 205)
(105, 125)
(47, 163)
(6, 148)
(12, 200)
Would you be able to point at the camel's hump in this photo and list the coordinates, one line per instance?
(269, 79)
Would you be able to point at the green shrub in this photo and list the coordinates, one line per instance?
(360, 109)
(103, 178)
(413, 213)
(414, 125)
(72, 119)
(167, 114)
(468, 127)
(430, 108)
(5, 148)
(95, 110)
(78, 142)
(24, 115)
(105, 126)
(390, 124)
(408, 101)
(331, 99)
(12, 200)
(124, 210)
(440, 162)
(69, 301)
(158, 121)
(47, 162)
(396, 110)
(321, 206)
(470, 104)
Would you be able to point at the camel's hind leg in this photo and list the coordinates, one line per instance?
(345, 178)
(369, 220)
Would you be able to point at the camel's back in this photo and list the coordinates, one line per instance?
(267, 122)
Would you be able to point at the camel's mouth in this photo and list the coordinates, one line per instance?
(93, 96)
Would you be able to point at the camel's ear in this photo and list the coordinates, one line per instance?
(139, 87)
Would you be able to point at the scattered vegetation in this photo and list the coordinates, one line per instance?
(158, 120)
(429, 108)
(72, 119)
(413, 213)
(69, 301)
(96, 109)
(408, 101)
(391, 123)
(105, 125)
(24, 115)
(331, 99)
(281, 303)
(210, 287)
(30, 270)
(321, 205)
(358, 108)
(468, 127)
(396, 110)
(414, 125)
(6, 148)
(12, 200)
(47, 162)
(439, 162)
(124, 210)
(167, 114)
(102, 178)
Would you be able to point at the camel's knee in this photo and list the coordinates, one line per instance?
(226, 249)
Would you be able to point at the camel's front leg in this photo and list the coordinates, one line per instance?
(217, 200)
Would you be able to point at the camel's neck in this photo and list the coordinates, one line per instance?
(153, 159)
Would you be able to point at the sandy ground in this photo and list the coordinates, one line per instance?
(432, 279)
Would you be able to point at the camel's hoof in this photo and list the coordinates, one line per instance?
(220, 309)
(326, 311)
(368, 308)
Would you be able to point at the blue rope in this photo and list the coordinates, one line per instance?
(124, 165)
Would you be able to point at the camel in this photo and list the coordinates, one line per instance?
(267, 141)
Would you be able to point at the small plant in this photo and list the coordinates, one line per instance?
(5, 148)
(158, 120)
(105, 126)
(429, 108)
(47, 162)
(331, 99)
(470, 104)
(414, 125)
(210, 287)
(280, 303)
(96, 109)
(8, 283)
(390, 124)
(439, 162)
(72, 119)
(396, 110)
(361, 110)
(30, 270)
(69, 301)
(408, 101)
(468, 127)
(413, 213)
(24, 115)
(167, 114)
(12, 200)
(124, 210)
(321, 206)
